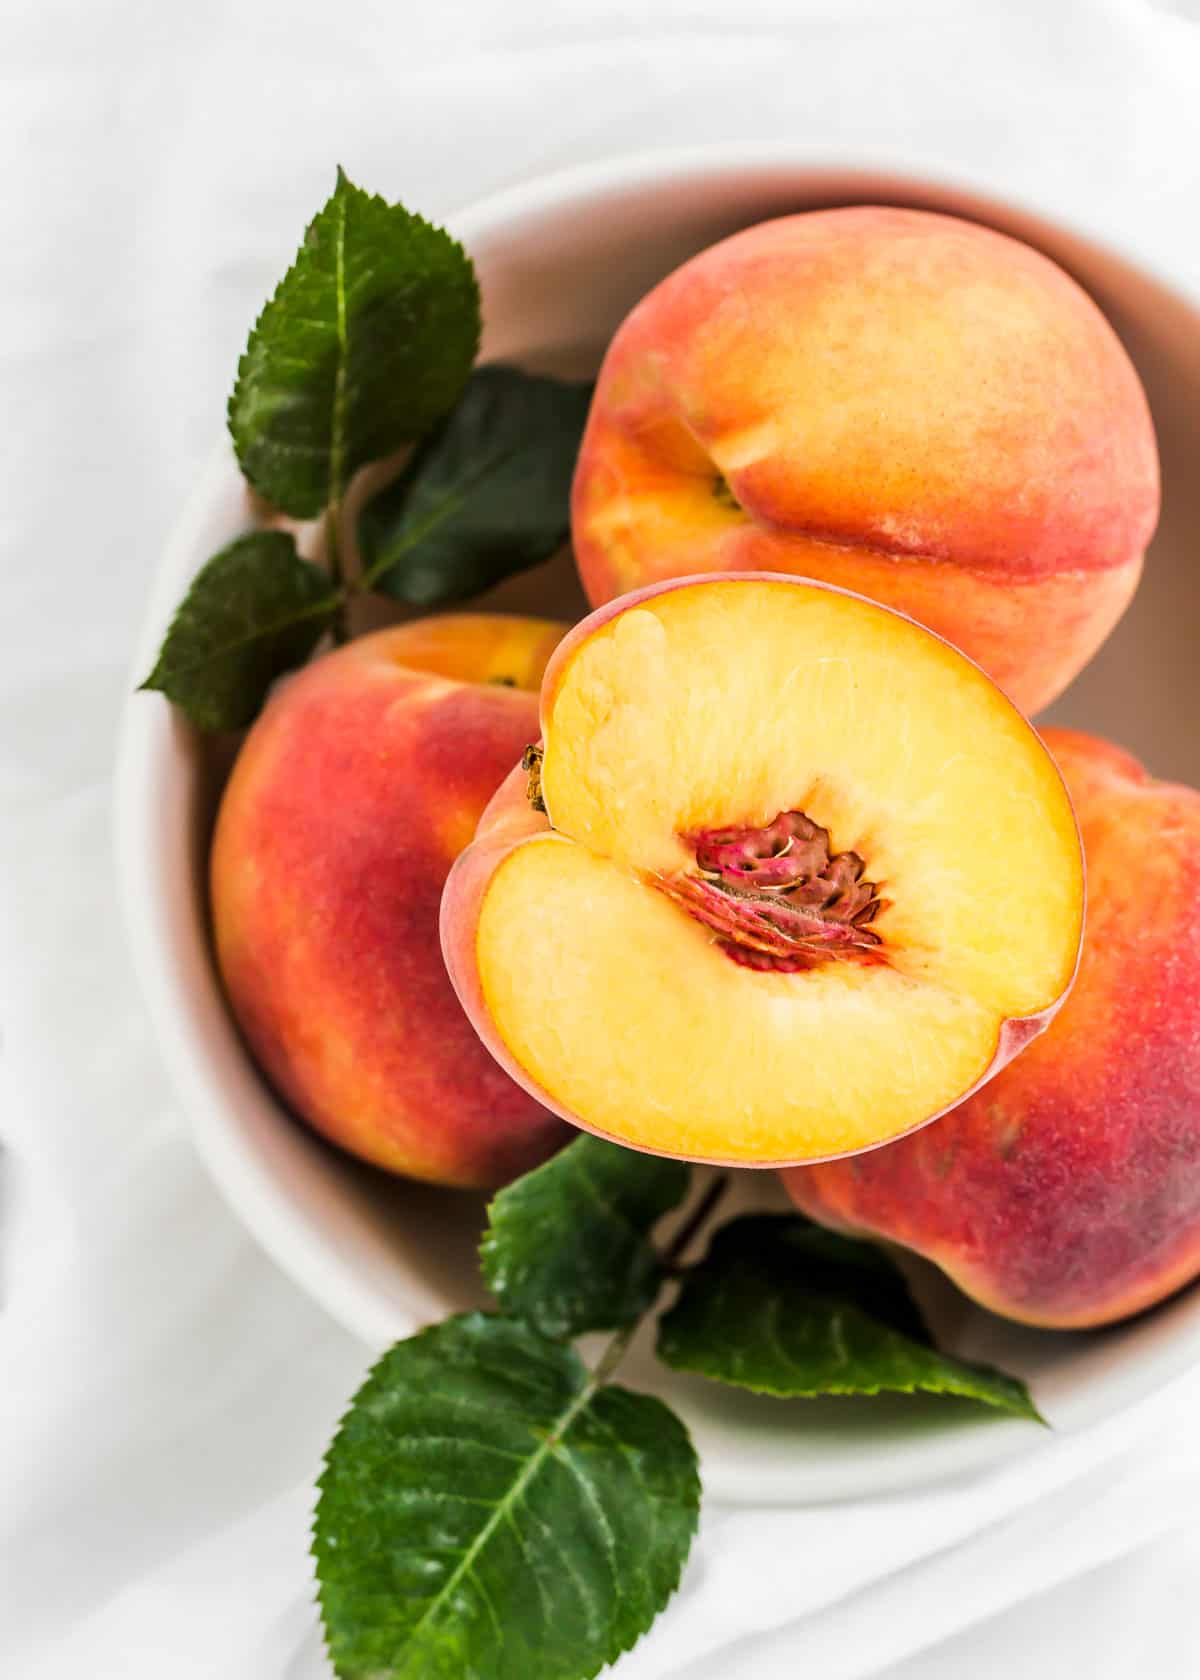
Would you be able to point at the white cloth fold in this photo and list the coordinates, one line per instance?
(165, 1394)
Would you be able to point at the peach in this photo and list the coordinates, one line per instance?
(362, 779)
(904, 404)
(1068, 1193)
(801, 877)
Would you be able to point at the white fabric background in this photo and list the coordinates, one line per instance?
(164, 1392)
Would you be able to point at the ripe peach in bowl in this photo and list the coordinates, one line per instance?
(906, 404)
(561, 262)
(1067, 1194)
(352, 794)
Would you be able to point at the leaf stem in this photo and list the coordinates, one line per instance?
(337, 442)
(668, 1261)
(333, 561)
(679, 1243)
(612, 1355)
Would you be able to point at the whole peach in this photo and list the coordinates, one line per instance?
(911, 406)
(355, 790)
(1067, 1193)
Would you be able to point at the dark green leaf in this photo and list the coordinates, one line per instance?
(486, 1510)
(486, 495)
(567, 1246)
(785, 1308)
(367, 341)
(254, 611)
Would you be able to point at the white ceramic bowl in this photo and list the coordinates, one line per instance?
(561, 260)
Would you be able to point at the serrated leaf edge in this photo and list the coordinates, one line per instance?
(1030, 1412)
(317, 610)
(596, 1382)
(498, 1214)
(344, 189)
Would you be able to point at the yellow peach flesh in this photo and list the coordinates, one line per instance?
(729, 701)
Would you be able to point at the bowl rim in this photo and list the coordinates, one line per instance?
(145, 736)
(924, 170)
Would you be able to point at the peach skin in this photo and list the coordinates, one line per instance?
(904, 404)
(1067, 1194)
(353, 793)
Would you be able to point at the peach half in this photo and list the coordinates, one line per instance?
(907, 405)
(804, 877)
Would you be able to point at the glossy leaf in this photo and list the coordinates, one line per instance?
(487, 1510)
(567, 1246)
(486, 495)
(780, 1306)
(254, 611)
(368, 341)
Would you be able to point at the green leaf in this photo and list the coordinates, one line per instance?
(486, 495)
(487, 1510)
(783, 1307)
(368, 340)
(567, 1245)
(254, 611)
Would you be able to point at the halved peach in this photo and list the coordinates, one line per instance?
(804, 877)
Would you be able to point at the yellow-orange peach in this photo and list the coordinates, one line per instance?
(361, 781)
(904, 404)
(1067, 1194)
(802, 878)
